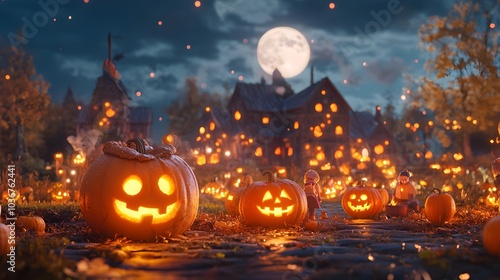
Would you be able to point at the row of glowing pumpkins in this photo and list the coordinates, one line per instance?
(142, 192)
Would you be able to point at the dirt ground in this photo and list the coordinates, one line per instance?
(219, 246)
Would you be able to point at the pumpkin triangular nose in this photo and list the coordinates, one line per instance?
(278, 200)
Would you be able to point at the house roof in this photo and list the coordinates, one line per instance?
(259, 97)
(362, 124)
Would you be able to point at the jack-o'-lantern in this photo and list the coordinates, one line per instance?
(140, 192)
(492, 200)
(215, 188)
(232, 201)
(439, 207)
(11, 194)
(275, 203)
(490, 236)
(26, 194)
(361, 202)
(60, 196)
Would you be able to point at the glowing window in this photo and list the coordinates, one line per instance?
(318, 107)
(339, 130)
(237, 115)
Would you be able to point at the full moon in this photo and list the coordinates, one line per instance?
(283, 48)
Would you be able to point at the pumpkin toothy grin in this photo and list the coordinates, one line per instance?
(359, 208)
(276, 212)
(136, 216)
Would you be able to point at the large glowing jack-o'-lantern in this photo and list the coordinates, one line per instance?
(361, 202)
(139, 193)
(275, 203)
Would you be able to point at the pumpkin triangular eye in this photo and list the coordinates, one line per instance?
(285, 194)
(267, 196)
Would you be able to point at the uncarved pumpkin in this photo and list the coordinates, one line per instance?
(490, 236)
(275, 203)
(4, 239)
(33, 223)
(139, 192)
(439, 207)
(361, 202)
(384, 196)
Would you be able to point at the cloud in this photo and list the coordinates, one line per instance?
(79, 67)
(386, 72)
(254, 12)
(153, 49)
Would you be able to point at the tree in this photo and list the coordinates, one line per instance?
(185, 115)
(462, 88)
(23, 103)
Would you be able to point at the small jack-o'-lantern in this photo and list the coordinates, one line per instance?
(139, 193)
(9, 194)
(361, 202)
(232, 202)
(275, 203)
(26, 194)
(439, 207)
(60, 196)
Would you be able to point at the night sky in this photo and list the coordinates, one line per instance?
(364, 47)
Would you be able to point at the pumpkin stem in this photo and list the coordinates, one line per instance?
(270, 175)
(436, 190)
(139, 145)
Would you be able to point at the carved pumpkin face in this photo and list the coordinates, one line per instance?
(273, 203)
(139, 195)
(60, 196)
(362, 202)
(133, 201)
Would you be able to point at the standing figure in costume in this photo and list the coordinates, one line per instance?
(313, 192)
(405, 192)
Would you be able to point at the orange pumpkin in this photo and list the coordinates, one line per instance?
(60, 196)
(11, 194)
(439, 207)
(139, 193)
(33, 223)
(275, 203)
(26, 194)
(490, 236)
(4, 239)
(361, 202)
(384, 196)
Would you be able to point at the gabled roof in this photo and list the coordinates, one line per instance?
(258, 97)
(107, 88)
(362, 124)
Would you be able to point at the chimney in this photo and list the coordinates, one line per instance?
(312, 73)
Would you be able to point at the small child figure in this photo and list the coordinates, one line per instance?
(313, 191)
(405, 192)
